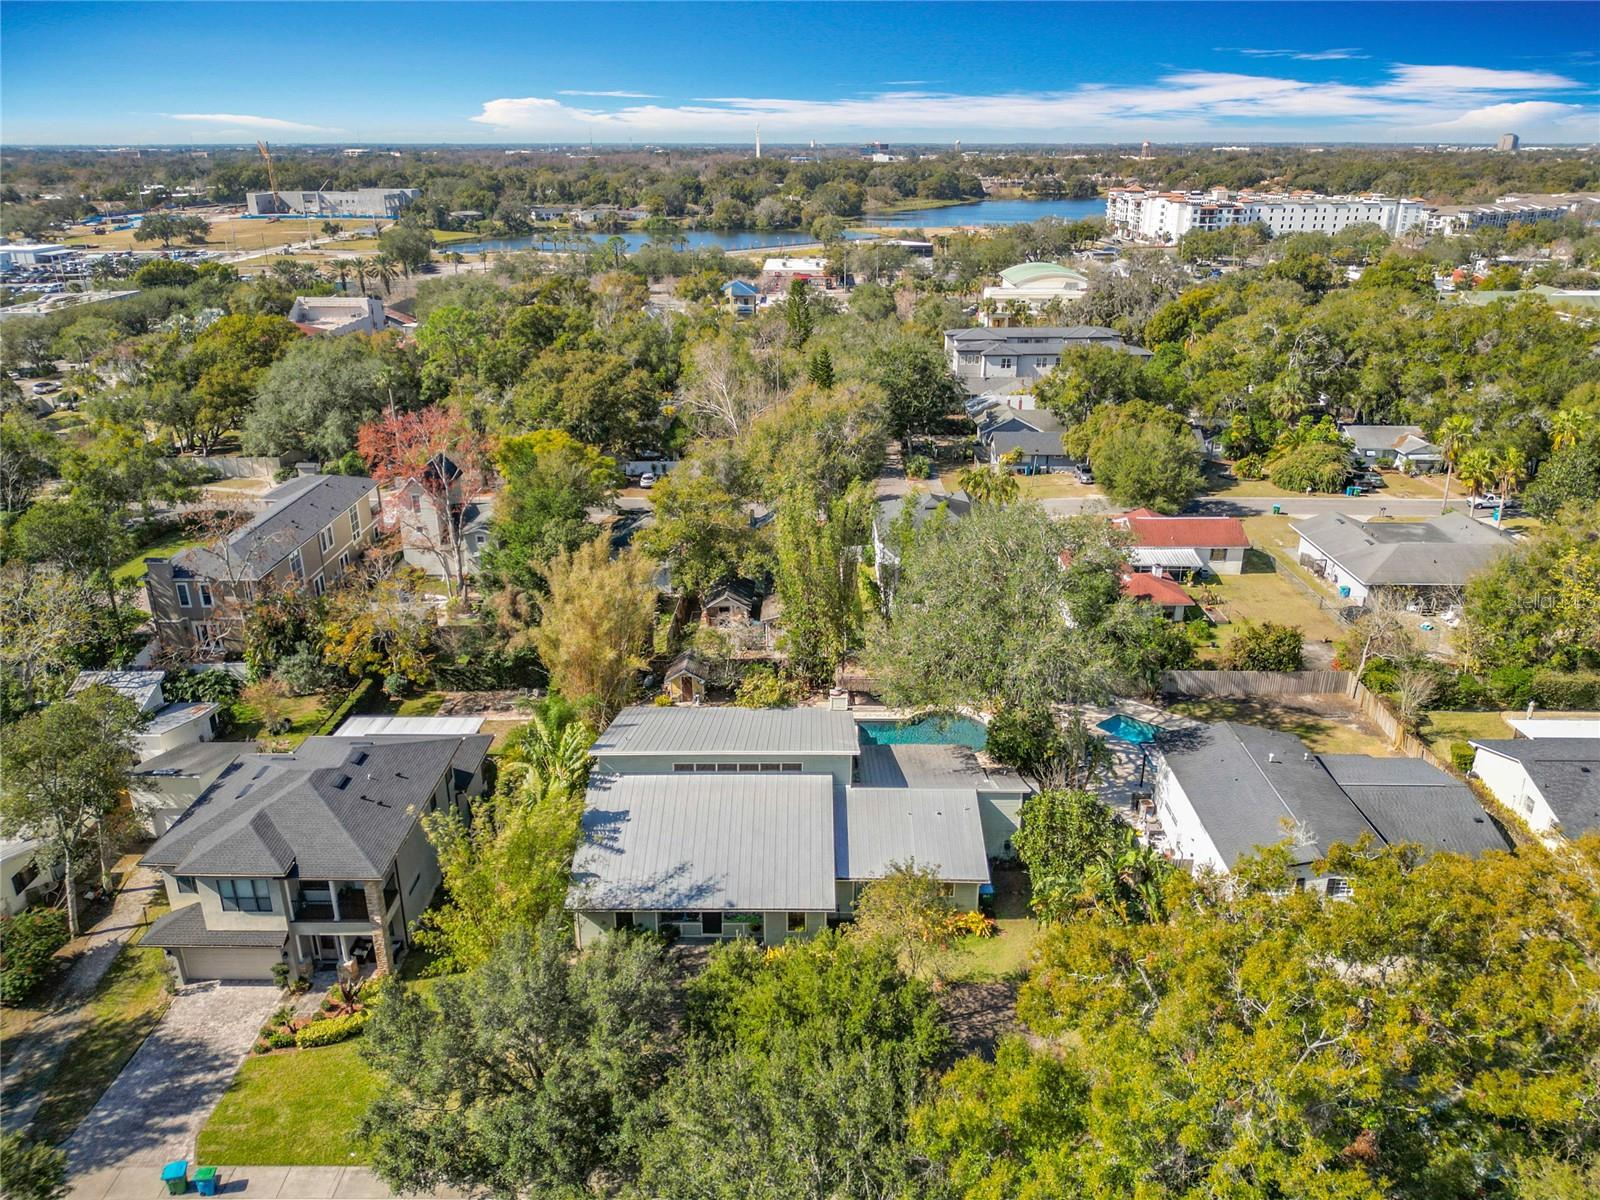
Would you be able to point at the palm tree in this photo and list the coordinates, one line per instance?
(361, 268)
(456, 259)
(1476, 469)
(1568, 427)
(342, 270)
(991, 484)
(1510, 469)
(384, 270)
(1452, 439)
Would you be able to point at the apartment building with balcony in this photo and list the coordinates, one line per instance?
(309, 533)
(1143, 215)
(310, 859)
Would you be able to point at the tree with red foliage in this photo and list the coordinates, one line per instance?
(431, 465)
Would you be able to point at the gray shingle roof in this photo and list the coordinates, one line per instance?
(337, 808)
(196, 758)
(1028, 332)
(733, 843)
(1029, 441)
(876, 828)
(1443, 552)
(1407, 800)
(1379, 437)
(296, 511)
(186, 928)
(956, 504)
(1246, 783)
(934, 765)
(1565, 770)
(646, 729)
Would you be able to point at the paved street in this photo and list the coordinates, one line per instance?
(153, 1111)
(1255, 506)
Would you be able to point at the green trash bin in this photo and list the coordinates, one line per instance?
(176, 1176)
(205, 1181)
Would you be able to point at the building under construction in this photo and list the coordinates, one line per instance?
(364, 202)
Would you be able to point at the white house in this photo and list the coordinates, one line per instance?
(21, 878)
(167, 726)
(1178, 547)
(1028, 288)
(1227, 790)
(336, 316)
(1425, 563)
(982, 357)
(1400, 446)
(1552, 783)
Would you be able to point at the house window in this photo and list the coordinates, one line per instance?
(185, 884)
(792, 766)
(480, 540)
(683, 768)
(1005, 364)
(797, 922)
(205, 595)
(711, 924)
(1219, 554)
(624, 920)
(1338, 886)
(245, 895)
(325, 539)
(355, 521)
(416, 502)
(317, 585)
(947, 890)
(21, 880)
(297, 565)
(184, 599)
(344, 562)
(727, 768)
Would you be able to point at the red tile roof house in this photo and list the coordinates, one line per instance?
(1179, 547)
(1166, 594)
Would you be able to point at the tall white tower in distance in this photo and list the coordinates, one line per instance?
(758, 141)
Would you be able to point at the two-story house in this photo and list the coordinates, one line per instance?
(310, 531)
(714, 823)
(436, 512)
(311, 858)
(980, 358)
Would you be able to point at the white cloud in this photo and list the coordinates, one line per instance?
(1336, 55)
(1180, 105)
(614, 95)
(245, 121)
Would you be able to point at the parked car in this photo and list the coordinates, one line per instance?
(45, 387)
(647, 480)
(1084, 473)
(1487, 500)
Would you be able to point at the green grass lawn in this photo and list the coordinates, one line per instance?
(1263, 592)
(294, 1108)
(164, 547)
(421, 706)
(305, 713)
(1003, 956)
(1442, 728)
(125, 1007)
(1330, 731)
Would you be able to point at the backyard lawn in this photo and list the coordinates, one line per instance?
(1007, 953)
(164, 547)
(1442, 728)
(124, 1008)
(305, 714)
(1327, 724)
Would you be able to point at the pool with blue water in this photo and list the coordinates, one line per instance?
(937, 729)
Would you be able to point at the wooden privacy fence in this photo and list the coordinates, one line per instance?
(1243, 684)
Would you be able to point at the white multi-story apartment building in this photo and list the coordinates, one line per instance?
(1453, 219)
(1150, 216)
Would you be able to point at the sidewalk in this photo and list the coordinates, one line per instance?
(284, 1183)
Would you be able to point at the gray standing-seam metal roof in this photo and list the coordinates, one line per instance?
(1565, 770)
(296, 512)
(1024, 334)
(934, 765)
(1407, 800)
(185, 928)
(875, 829)
(175, 716)
(141, 687)
(734, 843)
(1379, 437)
(646, 729)
(1249, 785)
(337, 808)
(1443, 552)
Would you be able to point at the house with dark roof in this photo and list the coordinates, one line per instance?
(716, 823)
(1551, 783)
(310, 859)
(309, 532)
(1227, 790)
(982, 357)
(432, 514)
(888, 514)
(1425, 563)
(1401, 446)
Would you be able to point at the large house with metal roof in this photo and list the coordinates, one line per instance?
(1552, 783)
(310, 531)
(310, 859)
(1179, 547)
(715, 823)
(166, 726)
(1227, 790)
(987, 359)
(1425, 563)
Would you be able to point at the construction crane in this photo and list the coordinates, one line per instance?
(272, 175)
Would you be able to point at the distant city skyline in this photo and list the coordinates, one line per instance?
(837, 73)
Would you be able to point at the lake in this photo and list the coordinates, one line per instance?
(980, 212)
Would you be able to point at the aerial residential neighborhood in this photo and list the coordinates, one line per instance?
(845, 602)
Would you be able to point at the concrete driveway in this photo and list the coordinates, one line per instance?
(153, 1111)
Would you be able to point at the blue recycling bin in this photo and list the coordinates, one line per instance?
(176, 1176)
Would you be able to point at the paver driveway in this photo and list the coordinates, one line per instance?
(154, 1110)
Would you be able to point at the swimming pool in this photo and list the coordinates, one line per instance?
(1128, 729)
(935, 729)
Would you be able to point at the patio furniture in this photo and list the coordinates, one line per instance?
(176, 1176)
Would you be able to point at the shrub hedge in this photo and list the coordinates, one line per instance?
(334, 1029)
(28, 945)
(1566, 689)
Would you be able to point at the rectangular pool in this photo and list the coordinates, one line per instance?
(935, 729)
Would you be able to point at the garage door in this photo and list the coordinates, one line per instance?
(229, 964)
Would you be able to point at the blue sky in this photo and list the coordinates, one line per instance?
(520, 73)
